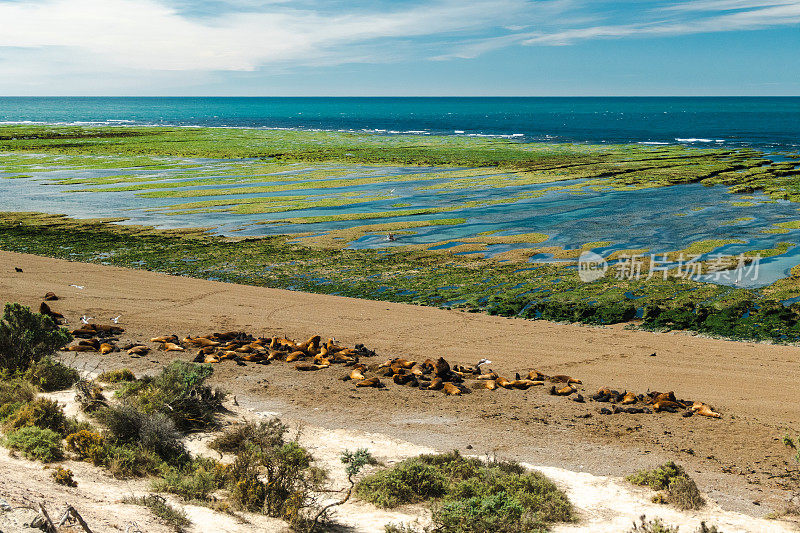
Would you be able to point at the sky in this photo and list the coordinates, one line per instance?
(399, 47)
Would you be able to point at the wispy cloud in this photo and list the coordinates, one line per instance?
(153, 37)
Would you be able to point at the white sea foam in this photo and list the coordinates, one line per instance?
(651, 142)
(694, 140)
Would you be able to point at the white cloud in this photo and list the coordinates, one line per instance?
(146, 34)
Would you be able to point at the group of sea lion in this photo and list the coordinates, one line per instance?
(314, 354)
(651, 401)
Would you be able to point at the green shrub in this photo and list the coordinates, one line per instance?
(682, 492)
(679, 489)
(239, 437)
(36, 443)
(88, 445)
(658, 478)
(7, 410)
(63, 476)
(652, 526)
(473, 495)
(160, 508)
(117, 376)
(153, 431)
(195, 481)
(131, 461)
(42, 413)
(16, 391)
(51, 375)
(178, 392)
(410, 481)
(27, 337)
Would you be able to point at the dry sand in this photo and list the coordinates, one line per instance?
(737, 461)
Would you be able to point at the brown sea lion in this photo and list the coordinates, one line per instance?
(94, 343)
(564, 391)
(662, 396)
(628, 398)
(560, 378)
(211, 358)
(435, 384)
(403, 379)
(492, 375)
(83, 332)
(172, 347)
(107, 348)
(521, 384)
(451, 390)
(503, 382)
(80, 348)
(305, 367)
(295, 356)
(488, 384)
(50, 296)
(370, 382)
(357, 373)
(226, 354)
(105, 329)
(139, 350)
(441, 368)
(535, 375)
(165, 338)
(44, 309)
(662, 405)
(703, 409)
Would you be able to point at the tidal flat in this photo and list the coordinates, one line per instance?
(481, 224)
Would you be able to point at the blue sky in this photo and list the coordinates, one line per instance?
(380, 47)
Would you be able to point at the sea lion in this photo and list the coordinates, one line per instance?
(305, 367)
(667, 405)
(560, 378)
(370, 382)
(226, 354)
(662, 396)
(488, 384)
(295, 356)
(310, 344)
(435, 384)
(163, 339)
(83, 332)
(44, 309)
(104, 329)
(50, 296)
(172, 347)
(492, 375)
(441, 368)
(402, 379)
(211, 358)
(704, 410)
(564, 391)
(80, 348)
(94, 343)
(535, 375)
(138, 350)
(523, 384)
(107, 348)
(358, 372)
(628, 398)
(451, 390)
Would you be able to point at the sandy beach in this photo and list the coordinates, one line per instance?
(737, 460)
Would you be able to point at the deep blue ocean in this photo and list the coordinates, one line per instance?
(768, 123)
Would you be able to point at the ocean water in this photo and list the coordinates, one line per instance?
(767, 123)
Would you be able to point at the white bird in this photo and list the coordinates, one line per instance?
(85, 319)
(484, 362)
(116, 319)
(77, 286)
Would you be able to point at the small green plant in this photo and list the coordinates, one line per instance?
(117, 376)
(469, 495)
(130, 426)
(36, 443)
(354, 462)
(26, 337)
(16, 390)
(678, 488)
(63, 476)
(51, 375)
(178, 392)
(88, 445)
(270, 433)
(43, 413)
(160, 508)
(195, 481)
(652, 526)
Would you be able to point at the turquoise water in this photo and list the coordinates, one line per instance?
(772, 124)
